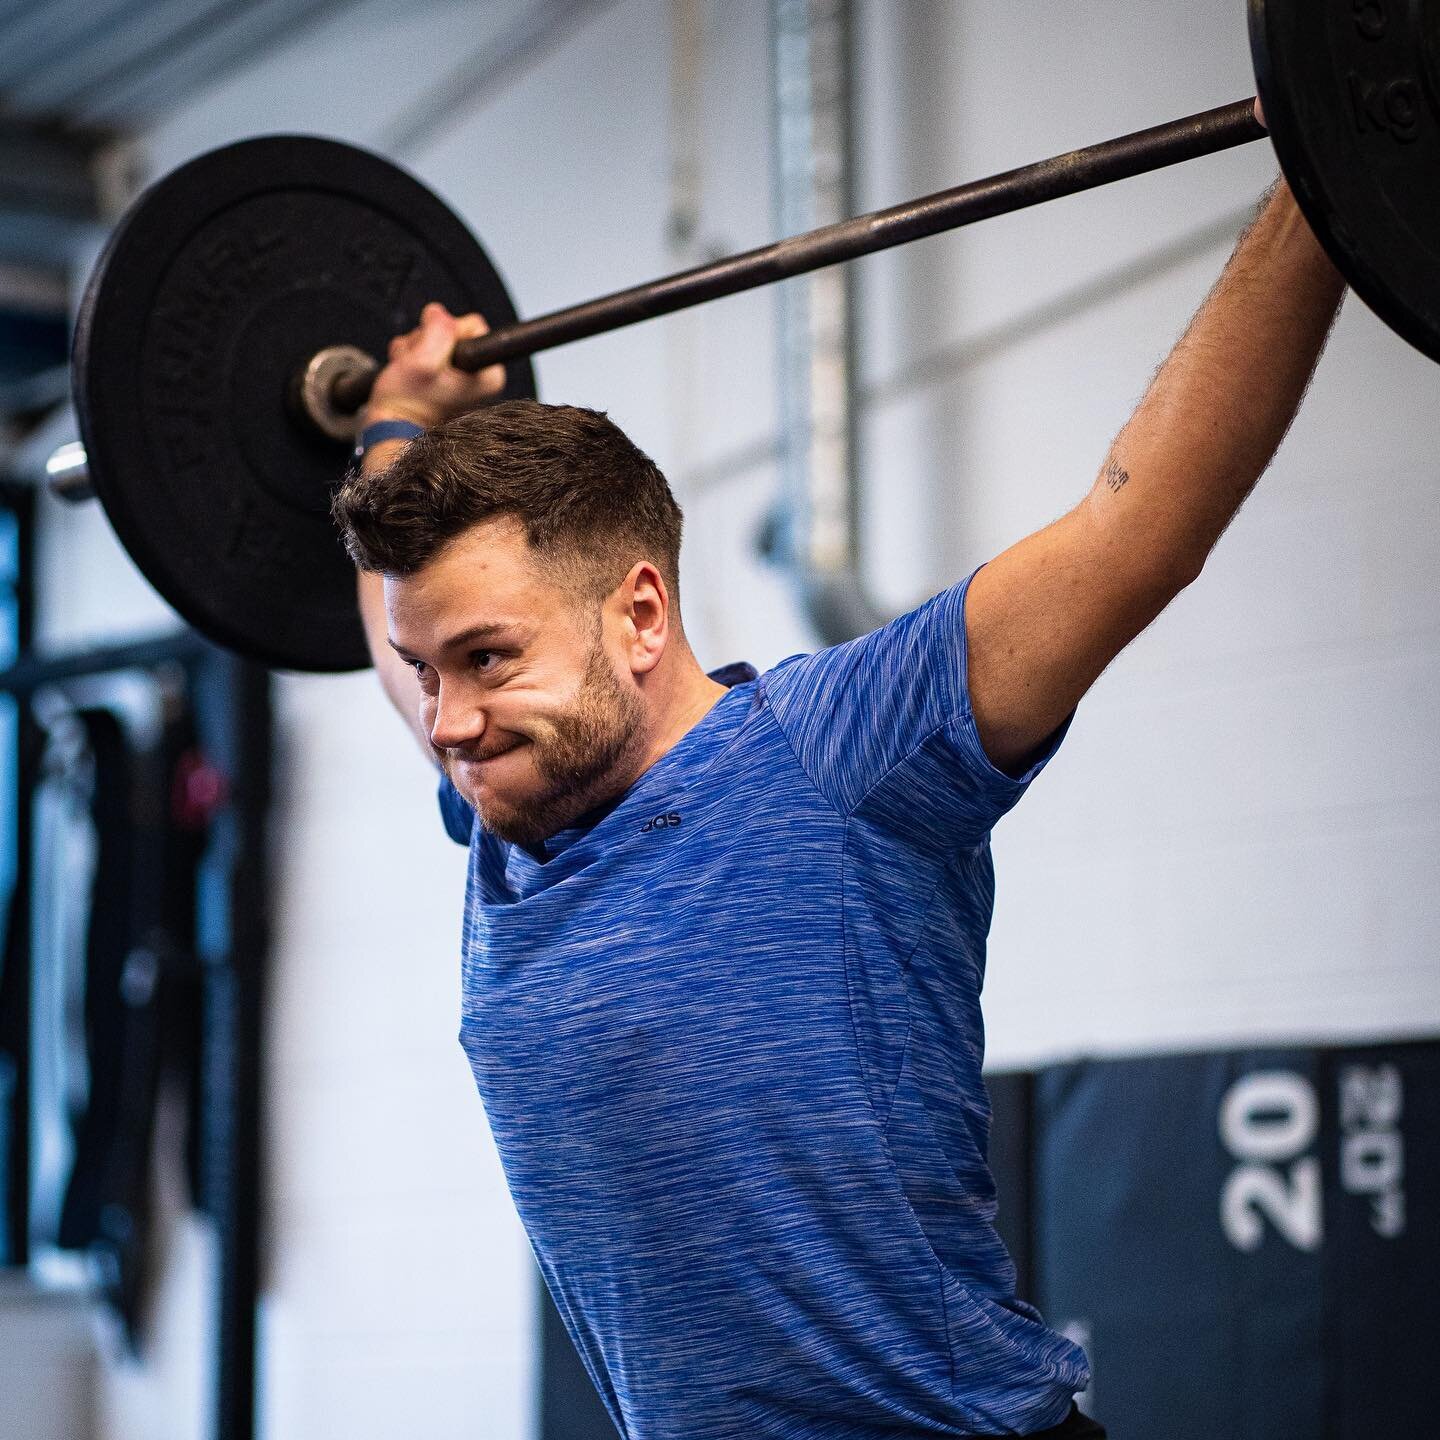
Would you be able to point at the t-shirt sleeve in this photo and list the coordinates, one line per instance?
(456, 812)
(883, 725)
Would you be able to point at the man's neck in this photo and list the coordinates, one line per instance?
(692, 695)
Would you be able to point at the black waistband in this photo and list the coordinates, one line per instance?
(1075, 1426)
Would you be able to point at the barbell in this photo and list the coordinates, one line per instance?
(226, 339)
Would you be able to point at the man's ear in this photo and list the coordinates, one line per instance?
(645, 616)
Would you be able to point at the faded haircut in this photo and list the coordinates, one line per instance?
(590, 501)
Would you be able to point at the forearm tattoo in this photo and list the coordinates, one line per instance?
(1115, 476)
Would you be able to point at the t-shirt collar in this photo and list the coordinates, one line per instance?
(673, 768)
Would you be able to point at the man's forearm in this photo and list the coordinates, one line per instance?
(1218, 408)
(396, 677)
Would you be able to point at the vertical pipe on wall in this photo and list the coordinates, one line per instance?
(819, 543)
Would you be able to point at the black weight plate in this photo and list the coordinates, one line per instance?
(211, 294)
(1351, 90)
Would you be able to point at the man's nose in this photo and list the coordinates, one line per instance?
(457, 720)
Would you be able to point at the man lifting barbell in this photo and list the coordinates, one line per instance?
(724, 934)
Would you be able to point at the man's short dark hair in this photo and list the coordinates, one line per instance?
(588, 498)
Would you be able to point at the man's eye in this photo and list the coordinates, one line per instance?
(483, 659)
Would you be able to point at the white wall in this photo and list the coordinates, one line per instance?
(1240, 836)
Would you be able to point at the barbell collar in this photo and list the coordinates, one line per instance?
(1138, 153)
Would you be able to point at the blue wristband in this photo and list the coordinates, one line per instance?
(383, 430)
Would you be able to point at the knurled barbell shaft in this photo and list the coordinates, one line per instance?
(1095, 165)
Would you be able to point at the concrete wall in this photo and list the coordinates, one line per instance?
(1239, 838)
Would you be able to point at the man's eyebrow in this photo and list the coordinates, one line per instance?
(491, 631)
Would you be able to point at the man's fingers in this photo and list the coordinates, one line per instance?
(435, 338)
(420, 376)
(491, 380)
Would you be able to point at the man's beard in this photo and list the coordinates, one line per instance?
(590, 755)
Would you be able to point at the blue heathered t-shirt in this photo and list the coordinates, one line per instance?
(728, 1039)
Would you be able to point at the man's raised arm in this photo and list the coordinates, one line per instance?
(420, 385)
(1047, 616)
